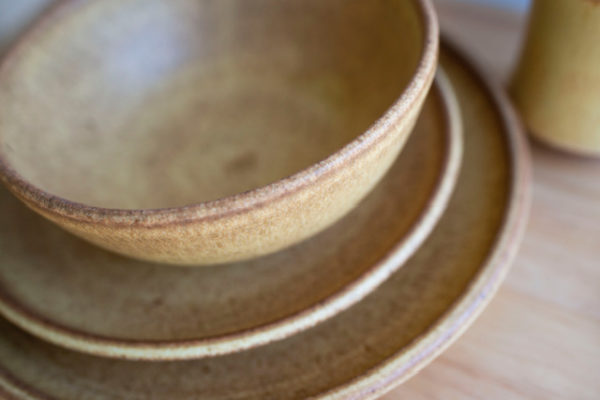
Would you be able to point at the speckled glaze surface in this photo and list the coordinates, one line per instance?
(557, 83)
(201, 132)
(60, 288)
(371, 347)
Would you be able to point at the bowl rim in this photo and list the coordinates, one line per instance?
(238, 203)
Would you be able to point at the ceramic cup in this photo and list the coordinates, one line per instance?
(200, 132)
(557, 82)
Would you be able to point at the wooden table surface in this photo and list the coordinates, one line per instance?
(540, 337)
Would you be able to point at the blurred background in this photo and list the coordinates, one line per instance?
(516, 5)
(13, 13)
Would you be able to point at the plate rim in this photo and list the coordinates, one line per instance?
(455, 320)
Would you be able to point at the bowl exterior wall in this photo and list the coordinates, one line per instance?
(256, 231)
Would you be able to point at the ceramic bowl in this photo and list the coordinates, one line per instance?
(200, 132)
(162, 313)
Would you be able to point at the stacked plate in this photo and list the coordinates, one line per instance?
(246, 199)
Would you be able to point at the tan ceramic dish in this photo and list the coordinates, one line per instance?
(78, 296)
(371, 347)
(198, 132)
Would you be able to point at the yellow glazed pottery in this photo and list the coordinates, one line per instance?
(162, 313)
(198, 132)
(557, 84)
(370, 348)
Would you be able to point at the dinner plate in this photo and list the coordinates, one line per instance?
(73, 294)
(367, 349)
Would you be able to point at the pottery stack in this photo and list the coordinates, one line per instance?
(246, 199)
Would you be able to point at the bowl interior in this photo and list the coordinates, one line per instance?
(155, 103)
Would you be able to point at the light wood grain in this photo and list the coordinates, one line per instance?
(540, 337)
